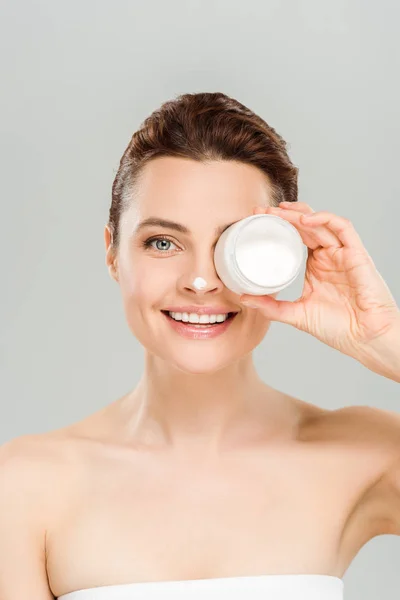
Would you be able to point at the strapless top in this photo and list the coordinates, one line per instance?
(259, 587)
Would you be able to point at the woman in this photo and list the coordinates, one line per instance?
(204, 481)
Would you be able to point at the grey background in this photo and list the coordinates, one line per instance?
(78, 78)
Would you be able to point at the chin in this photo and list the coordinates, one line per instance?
(205, 368)
(199, 357)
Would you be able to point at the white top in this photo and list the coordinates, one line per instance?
(259, 587)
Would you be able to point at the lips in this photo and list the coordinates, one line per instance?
(230, 315)
(201, 310)
(196, 331)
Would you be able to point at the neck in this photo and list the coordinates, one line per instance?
(178, 410)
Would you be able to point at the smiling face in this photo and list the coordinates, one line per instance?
(153, 274)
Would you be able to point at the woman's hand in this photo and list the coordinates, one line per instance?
(345, 301)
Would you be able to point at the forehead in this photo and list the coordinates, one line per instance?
(171, 181)
(201, 196)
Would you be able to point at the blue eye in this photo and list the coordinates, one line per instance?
(148, 243)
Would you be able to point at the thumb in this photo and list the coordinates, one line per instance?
(284, 311)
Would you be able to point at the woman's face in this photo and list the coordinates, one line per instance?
(200, 197)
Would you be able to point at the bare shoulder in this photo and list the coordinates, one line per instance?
(23, 474)
(370, 430)
(48, 463)
(22, 459)
(376, 434)
(28, 491)
(29, 455)
(32, 466)
(375, 426)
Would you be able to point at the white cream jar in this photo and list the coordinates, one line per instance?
(259, 255)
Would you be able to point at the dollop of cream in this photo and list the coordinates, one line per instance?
(199, 283)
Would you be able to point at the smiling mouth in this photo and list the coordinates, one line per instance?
(229, 317)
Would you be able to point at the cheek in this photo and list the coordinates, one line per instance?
(259, 332)
(142, 281)
(258, 327)
(261, 321)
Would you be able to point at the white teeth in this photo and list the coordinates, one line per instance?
(194, 318)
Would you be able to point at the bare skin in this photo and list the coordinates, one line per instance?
(203, 470)
(303, 501)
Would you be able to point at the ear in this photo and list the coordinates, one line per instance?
(111, 260)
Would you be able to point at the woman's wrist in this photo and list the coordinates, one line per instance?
(382, 355)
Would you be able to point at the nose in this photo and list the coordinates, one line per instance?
(199, 283)
(202, 280)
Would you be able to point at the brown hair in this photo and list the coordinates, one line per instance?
(203, 127)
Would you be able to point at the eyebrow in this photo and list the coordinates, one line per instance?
(166, 224)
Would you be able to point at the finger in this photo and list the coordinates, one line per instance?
(284, 311)
(314, 236)
(258, 210)
(297, 206)
(341, 227)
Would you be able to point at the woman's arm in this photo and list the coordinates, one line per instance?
(22, 534)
